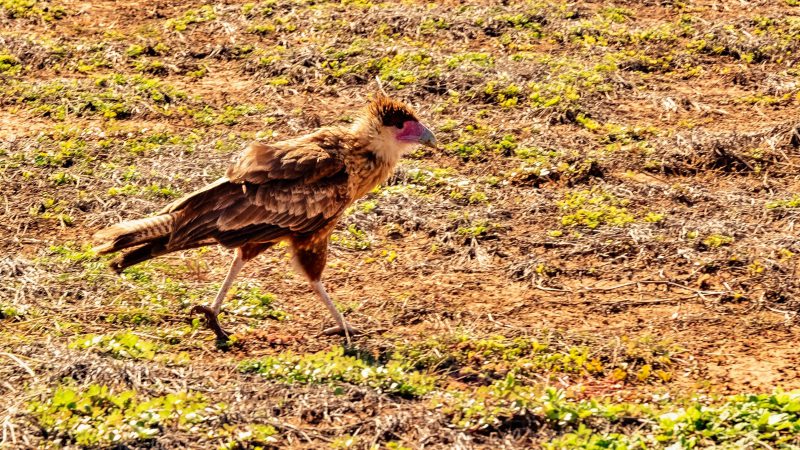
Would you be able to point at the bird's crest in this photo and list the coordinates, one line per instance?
(390, 112)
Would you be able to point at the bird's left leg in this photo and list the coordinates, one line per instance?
(243, 254)
(311, 256)
(212, 312)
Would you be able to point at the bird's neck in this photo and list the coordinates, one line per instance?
(380, 141)
(367, 170)
(371, 160)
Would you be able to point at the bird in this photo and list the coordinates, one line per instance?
(293, 191)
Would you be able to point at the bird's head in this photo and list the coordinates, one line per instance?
(392, 128)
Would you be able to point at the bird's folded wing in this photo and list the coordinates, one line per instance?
(293, 206)
(289, 160)
(271, 191)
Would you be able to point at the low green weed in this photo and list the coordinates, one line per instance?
(120, 345)
(334, 367)
(97, 417)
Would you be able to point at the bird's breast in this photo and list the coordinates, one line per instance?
(366, 176)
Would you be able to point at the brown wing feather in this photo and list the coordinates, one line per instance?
(301, 159)
(271, 191)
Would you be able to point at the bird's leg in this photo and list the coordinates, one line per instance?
(311, 256)
(342, 327)
(212, 312)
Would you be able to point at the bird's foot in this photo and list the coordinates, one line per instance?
(346, 332)
(212, 322)
(340, 331)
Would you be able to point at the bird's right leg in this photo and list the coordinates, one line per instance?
(311, 256)
(342, 327)
(212, 312)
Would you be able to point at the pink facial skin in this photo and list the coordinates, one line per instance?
(414, 131)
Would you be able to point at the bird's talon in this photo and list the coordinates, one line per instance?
(212, 321)
(340, 331)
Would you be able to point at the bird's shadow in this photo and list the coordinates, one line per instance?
(371, 357)
(228, 344)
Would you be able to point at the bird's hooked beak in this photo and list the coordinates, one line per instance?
(427, 138)
(414, 131)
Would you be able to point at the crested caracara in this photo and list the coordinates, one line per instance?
(295, 191)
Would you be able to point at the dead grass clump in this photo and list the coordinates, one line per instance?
(752, 40)
(728, 152)
(32, 54)
(37, 11)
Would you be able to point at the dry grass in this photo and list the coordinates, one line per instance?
(608, 234)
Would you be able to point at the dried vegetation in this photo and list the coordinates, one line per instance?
(603, 254)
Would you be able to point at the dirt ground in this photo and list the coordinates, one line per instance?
(616, 177)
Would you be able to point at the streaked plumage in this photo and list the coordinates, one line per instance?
(295, 190)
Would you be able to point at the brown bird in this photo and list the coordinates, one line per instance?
(295, 191)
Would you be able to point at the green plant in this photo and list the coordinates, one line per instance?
(506, 95)
(135, 50)
(69, 152)
(479, 59)
(616, 14)
(402, 69)
(9, 65)
(488, 406)
(52, 209)
(45, 10)
(352, 238)
(120, 345)
(793, 202)
(12, 312)
(69, 254)
(95, 416)
(114, 96)
(717, 240)
(593, 208)
(229, 115)
(496, 356)
(250, 301)
(159, 191)
(255, 436)
(475, 230)
(60, 178)
(333, 367)
(204, 14)
(466, 150)
(653, 217)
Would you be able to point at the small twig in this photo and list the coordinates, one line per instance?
(299, 431)
(20, 362)
(697, 292)
(543, 288)
(8, 428)
(651, 301)
(380, 85)
(503, 325)
(665, 282)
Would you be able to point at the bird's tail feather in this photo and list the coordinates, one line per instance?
(153, 248)
(133, 232)
(139, 254)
